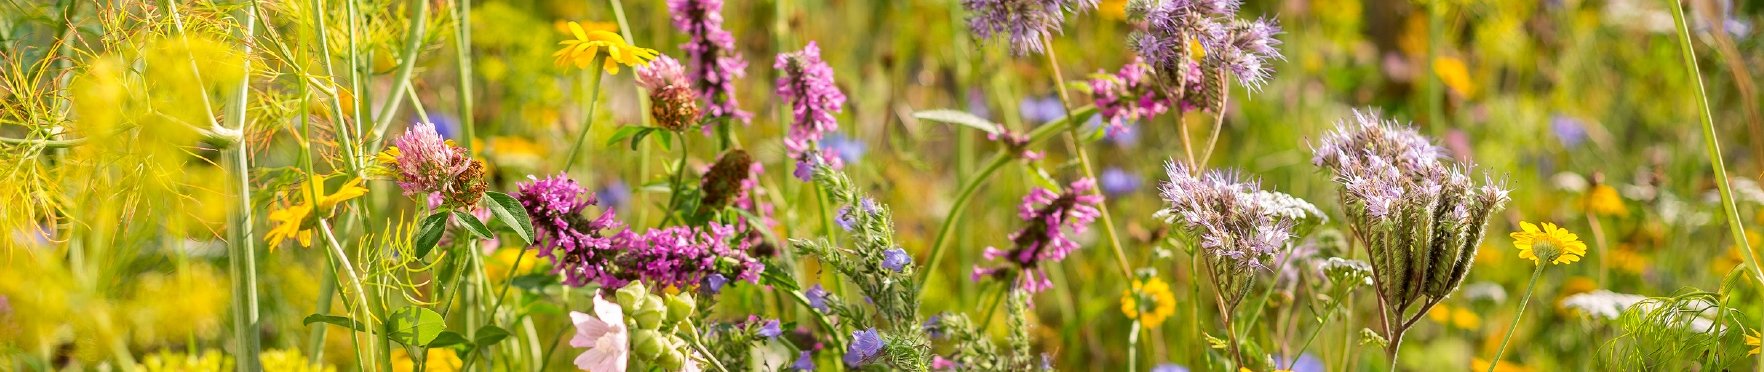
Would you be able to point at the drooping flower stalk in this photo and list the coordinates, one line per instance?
(1045, 240)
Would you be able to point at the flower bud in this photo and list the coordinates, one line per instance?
(672, 360)
(680, 306)
(649, 314)
(648, 344)
(632, 295)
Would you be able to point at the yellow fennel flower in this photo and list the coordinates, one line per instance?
(1604, 200)
(1550, 241)
(587, 44)
(1150, 301)
(438, 360)
(295, 221)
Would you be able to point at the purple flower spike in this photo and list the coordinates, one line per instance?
(1046, 239)
(579, 248)
(713, 62)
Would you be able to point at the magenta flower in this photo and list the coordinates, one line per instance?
(807, 82)
(673, 103)
(1045, 240)
(684, 257)
(579, 248)
(426, 165)
(714, 63)
(1130, 95)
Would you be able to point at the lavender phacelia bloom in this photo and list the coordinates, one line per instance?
(673, 103)
(1046, 239)
(428, 166)
(712, 61)
(1421, 217)
(1244, 49)
(807, 82)
(1237, 233)
(1027, 24)
(579, 248)
(865, 346)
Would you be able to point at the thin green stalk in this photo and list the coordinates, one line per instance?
(1108, 222)
(676, 184)
(1133, 347)
(462, 25)
(348, 269)
(698, 345)
(243, 257)
(413, 43)
(1516, 317)
(1712, 145)
(588, 117)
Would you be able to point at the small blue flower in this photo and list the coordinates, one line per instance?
(804, 362)
(850, 151)
(896, 259)
(933, 326)
(1569, 130)
(845, 219)
(1037, 111)
(1117, 182)
(869, 206)
(805, 170)
(817, 298)
(865, 346)
(714, 283)
(614, 194)
(770, 329)
(1126, 137)
(1169, 367)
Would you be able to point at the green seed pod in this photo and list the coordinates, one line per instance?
(650, 313)
(648, 344)
(680, 306)
(632, 295)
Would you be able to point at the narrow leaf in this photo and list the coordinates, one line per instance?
(509, 212)
(429, 233)
(472, 224)
(958, 117)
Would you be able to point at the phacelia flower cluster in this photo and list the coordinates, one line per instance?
(1027, 24)
(1046, 239)
(426, 165)
(713, 62)
(1226, 44)
(673, 104)
(1421, 216)
(603, 251)
(1226, 215)
(579, 248)
(807, 82)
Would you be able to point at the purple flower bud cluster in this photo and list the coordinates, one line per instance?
(603, 251)
(579, 248)
(424, 164)
(1226, 216)
(807, 82)
(711, 54)
(1045, 240)
(1026, 23)
(1421, 215)
(1240, 47)
(1130, 95)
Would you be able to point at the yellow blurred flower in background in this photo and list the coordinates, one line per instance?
(176, 307)
(1603, 200)
(1567, 247)
(291, 361)
(439, 360)
(1149, 301)
(1455, 75)
(587, 44)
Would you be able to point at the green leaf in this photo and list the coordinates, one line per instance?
(639, 137)
(1041, 177)
(472, 224)
(667, 140)
(625, 132)
(533, 282)
(338, 320)
(508, 211)
(449, 338)
(489, 335)
(429, 233)
(415, 325)
(958, 117)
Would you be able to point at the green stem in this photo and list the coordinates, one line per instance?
(462, 18)
(413, 43)
(677, 183)
(1133, 347)
(45, 142)
(1102, 208)
(1712, 144)
(588, 117)
(243, 257)
(1516, 317)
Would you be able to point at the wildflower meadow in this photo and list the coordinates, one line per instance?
(881, 185)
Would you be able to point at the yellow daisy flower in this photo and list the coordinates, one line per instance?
(1567, 246)
(1150, 301)
(587, 45)
(294, 221)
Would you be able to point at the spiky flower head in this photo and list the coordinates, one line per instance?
(1238, 231)
(1421, 216)
(807, 82)
(673, 104)
(712, 61)
(1052, 217)
(425, 164)
(1186, 36)
(1026, 24)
